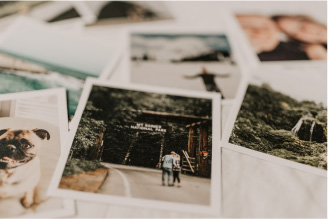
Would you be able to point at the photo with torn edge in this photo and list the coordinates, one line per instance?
(284, 37)
(122, 12)
(140, 146)
(194, 60)
(45, 58)
(283, 118)
(33, 126)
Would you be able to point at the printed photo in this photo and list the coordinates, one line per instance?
(199, 62)
(8, 8)
(284, 37)
(26, 63)
(141, 146)
(122, 12)
(284, 114)
(31, 125)
(41, 10)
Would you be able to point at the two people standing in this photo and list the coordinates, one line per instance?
(171, 166)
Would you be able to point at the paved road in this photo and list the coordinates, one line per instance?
(147, 184)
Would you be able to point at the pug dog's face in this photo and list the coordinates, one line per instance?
(17, 147)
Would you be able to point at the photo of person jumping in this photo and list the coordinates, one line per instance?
(189, 61)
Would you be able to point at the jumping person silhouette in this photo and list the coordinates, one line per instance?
(208, 79)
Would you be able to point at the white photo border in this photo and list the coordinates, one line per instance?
(182, 29)
(107, 71)
(214, 208)
(62, 106)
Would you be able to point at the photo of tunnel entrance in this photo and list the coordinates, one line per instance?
(122, 137)
(195, 159)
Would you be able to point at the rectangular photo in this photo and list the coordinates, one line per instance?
(197, 60)
(141, 146)
(45, 58)
(33, 126)
(283, 36)
(283, 118)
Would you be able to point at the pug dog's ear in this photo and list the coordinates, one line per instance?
(42, 133)
(3, 131)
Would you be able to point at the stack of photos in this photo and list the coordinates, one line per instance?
(136, 145)
(33, 126)
(195, 60)
(26, 63)
(283, 117)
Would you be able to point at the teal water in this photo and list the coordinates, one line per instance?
(50, 67)
(19, 81)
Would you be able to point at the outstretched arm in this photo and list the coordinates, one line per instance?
(191, 77)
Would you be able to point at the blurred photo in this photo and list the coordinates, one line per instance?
(26, 63)
(8, 8)
(285, 37)
(41, 10)
(202, 62)
(124, 12)
(280, 119)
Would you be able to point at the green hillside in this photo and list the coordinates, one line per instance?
(279, 125)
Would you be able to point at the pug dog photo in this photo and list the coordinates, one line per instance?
(20, 168)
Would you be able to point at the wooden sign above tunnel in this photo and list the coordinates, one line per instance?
(138, 126)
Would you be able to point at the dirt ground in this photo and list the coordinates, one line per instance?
(87, 182)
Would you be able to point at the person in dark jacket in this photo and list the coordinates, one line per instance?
(208, 79)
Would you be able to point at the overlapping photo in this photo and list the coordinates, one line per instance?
(285, 37)
(44, 58)
(33, 126)
(122, 12)
(139, 145)
(41, 10)
(284, 114)
(198, 61)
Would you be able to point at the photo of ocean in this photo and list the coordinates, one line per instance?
(26, 63)
(49, 76)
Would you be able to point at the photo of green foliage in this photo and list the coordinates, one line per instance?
(277, 124)
(109, 112)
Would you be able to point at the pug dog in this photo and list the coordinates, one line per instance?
(19, 163)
